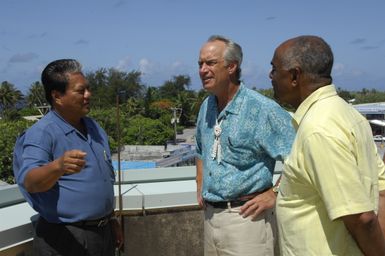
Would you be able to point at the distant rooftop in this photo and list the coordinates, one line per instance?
(371, 108)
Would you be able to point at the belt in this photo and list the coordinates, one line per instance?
(92, 223)
(226, 204)
(234, 203)
(84, 223)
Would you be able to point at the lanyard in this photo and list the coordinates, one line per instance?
(216, 149)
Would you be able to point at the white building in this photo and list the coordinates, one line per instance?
(375, 113)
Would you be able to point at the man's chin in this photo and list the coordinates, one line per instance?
(208, 87)
(86, 110)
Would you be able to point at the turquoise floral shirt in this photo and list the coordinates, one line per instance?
(256, 132)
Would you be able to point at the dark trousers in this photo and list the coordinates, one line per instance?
(59, 239)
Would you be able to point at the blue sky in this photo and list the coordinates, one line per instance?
(162, 38)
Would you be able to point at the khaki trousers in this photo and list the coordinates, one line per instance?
(226, 233)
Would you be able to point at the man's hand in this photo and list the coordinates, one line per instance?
(200, 200)
(43, 178)
(72, 161)
(258, 204)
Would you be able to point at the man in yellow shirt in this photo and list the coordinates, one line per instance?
(331, 199)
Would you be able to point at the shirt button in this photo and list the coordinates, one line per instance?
(210, 174)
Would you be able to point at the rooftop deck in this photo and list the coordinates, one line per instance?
(159, 208)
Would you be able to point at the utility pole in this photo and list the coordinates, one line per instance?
(120, 197)
(176, 113)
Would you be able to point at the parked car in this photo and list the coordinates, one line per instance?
(379, 138)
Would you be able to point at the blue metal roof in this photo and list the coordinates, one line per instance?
(129, 165)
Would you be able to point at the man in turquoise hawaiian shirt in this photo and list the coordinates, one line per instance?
(240, 135)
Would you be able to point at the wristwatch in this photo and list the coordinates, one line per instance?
(276, 188)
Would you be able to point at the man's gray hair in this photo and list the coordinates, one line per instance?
(312, 54)
(233, 52)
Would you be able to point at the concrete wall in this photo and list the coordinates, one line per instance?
(164, 232)
(161, 232)
(139, 152)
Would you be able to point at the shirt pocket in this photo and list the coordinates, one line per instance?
(240, 152)
(109, 165)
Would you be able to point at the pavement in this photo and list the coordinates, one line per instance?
(188, 136)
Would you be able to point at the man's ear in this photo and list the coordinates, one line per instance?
(56, 97)
(232, 67)
(295, 75)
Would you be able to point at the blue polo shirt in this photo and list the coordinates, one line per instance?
(256, 132)
(85, 195)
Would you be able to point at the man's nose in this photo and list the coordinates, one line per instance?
(87, 93)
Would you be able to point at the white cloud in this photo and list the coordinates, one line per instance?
(123, 64)
(146, 66)
(177, 65)
(154, 73)
(340, 69)
(255, 76)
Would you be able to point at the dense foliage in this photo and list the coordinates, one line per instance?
(10, 130)
(9, 98)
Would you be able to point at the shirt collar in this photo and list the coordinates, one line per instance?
(236, 102)
(234, 105)
(65, 126)
(319, 94)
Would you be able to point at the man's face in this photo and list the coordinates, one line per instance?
(213, 72)
(281, 79)
(76, 99)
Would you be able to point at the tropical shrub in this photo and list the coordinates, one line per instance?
(9, 132)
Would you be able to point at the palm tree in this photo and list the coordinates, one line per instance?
(36, 95)
(171, 88)
(9, 96)
(197, 102)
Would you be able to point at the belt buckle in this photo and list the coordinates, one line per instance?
(103, 222)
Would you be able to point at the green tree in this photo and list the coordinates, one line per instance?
(160, 108)
(151, 95)
(98, 82)
(145, 131)
(368, 96)
(107, 119)
(36, 95)
(107, 84)
(171, 88)
(184, 101)
(344, 94)
(9, 132)
(197, 102)
(9, 97)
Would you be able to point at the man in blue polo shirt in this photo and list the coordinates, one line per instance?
(240, 135)
(63, 167)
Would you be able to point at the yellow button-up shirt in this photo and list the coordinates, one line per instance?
(333, 171)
